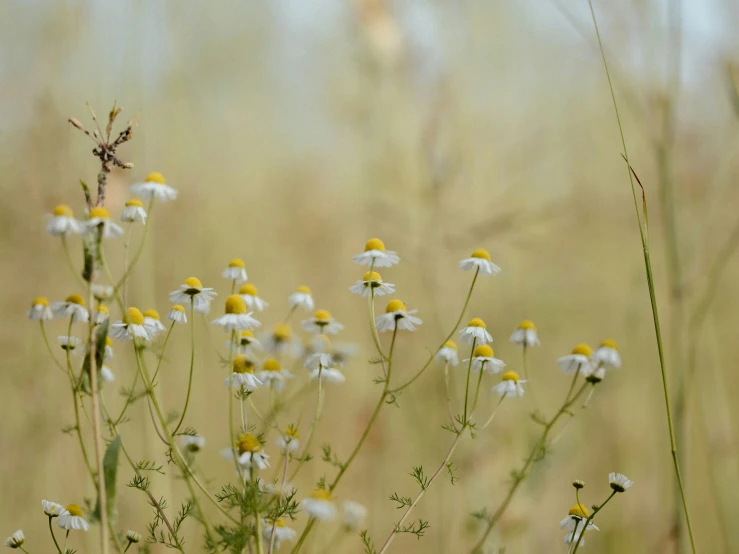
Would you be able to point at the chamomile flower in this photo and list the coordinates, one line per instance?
(273, 375)
(480, 261)
(236, 317)
(108, 354)
(133, 536)
(281, 530)
(372, 280)
(131, 327)
(510, 385)
(15, 540)
(154, 186)
(69, 344)
(575, 524)
(102, 313)
(301, 298)
(596, 375)
(375, 254)
(153, 323)
(397, 315)
(62, 222)
(278, 489)
(448, 353)
(249, 293)
(607, 355)
(619, 482)
(134, 211)
(476, 332)
(192, 443)
(525, 334)
(249, 452)
(342, 351)
(71, 519)
(242, 375)
(244, 342)
(319, 505)
(236, 271)
(73, 306)
(328, 375)
(353, 515)
(102, 292)
(107, 374)
(40, 310)
(192, 290)
(177, 314)
(289, 440)
(484, 358)
(282, 341)
(579, 360)
(52, 509)
(322, 323)
(321, 353)
(99, 218)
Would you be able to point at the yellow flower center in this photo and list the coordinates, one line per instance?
(510, 376)
(235, 305)
(528, 325)
(236, 262)
(247, 334)
(108, 341)
(152, 314)
(99, 212)
(322, 315)
(374, 244)
(321, 494)
(372, 276)
(583, 349)
(63, 210)
(476, 322)
(450, 344)
(103, 309)
(134, 316)
(270, 364)
(179, 308)
(74, 509)
(395, 306)
(40, 300)
(248, 288)
(248, 443)
(281, 522)
(194, 285)
(579, 510)
(292, 432)
(608, 343)
(155, 177)
(243, 365)
(483, 351)
(481, 253)
(282, 332)
(134, 202)
(75, 299)
(303, 289)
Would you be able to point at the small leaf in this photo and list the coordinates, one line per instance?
(86, 190)
(110, 471)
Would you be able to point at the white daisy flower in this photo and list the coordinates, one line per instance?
(476, 332)
(99, 218)
(108, 355)
(448, 353)
(62, 222)
(73, 306)
(249, 452)
(131, 327)
(40, 310)
(52, 509)
(322, 323)
(319, 505)
(289, 440)
(397, 315)
(281, 341)
(480, 261)
(102, 292)
(15, 540)
(192, 290)
(273, 375)
(243, 375)
(510, 385)
(525, 334)
(619, 482)
(354, 515)
(596, 375)
(177, 314)
(579, 360)
(244, 342)
(374, 251)
(107, 374)
(279, 490)
(69, 343)
(282, 531)
(328, 375)
(102, 313)
(133, 536)
(342, 351)
(236, 317)
(134, 211)
(575, 524)
(321, 356)
(192, 443)
(153, 323)
(374, 281)
(71, 519)
(483, 357)
(236, 271)
(155, 186)
(302, 298)
(607, 355)
(249, 293)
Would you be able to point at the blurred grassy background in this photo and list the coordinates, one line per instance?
(295, 130)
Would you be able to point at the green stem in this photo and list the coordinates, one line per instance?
(467, 385)
(192, 364)
(48, 347)
(53, 537)
(311, 432)
(70, 263)
(587, 521)
(139, 250)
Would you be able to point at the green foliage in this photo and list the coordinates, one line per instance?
(110, 471)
